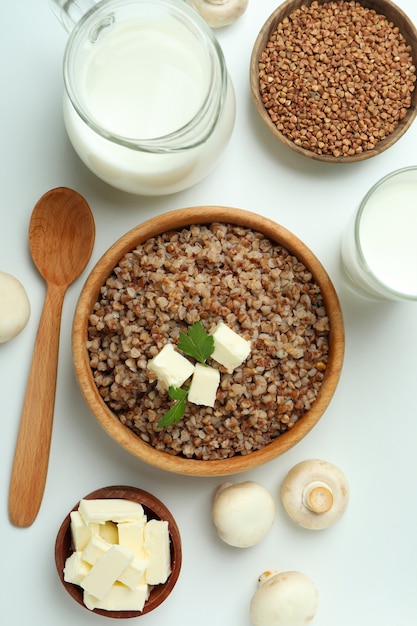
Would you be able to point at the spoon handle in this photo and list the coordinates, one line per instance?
(30, 465)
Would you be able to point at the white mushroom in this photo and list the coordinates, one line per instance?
(284, 599)
(14, 307)
(315, 494)
(242, 513)
(218, 13)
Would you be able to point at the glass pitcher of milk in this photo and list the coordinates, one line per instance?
(149, 106)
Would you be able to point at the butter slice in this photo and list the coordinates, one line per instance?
(95, 549)
(106, 510)
(106, 571)
(131, 576)
(134, 574)
(119, 598)
(230, 349)
(203, 388)
(131, 536)
(75, 568)
(81, 532)
(157, 552)
(171, 367)
(108, 532)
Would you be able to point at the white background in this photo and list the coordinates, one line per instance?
(365, 567)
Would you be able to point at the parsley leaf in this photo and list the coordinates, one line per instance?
(197, 343)
(176, 412)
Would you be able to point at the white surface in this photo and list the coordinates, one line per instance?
(365, 566)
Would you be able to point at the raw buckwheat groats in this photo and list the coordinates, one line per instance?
(336, 78)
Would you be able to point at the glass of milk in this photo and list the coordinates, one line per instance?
(148, 105)
(379, 248)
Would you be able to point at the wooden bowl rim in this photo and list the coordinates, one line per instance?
(175, 220)
(396, 15)
(154, 509)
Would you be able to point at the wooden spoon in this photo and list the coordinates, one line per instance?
(61, 239)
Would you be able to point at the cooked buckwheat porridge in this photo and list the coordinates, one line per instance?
(218, 272)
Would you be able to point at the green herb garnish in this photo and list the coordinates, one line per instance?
(200, 345)
(176, 412)
(197, 343)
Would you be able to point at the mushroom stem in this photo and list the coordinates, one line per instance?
(318, 497)
(315, 493)
(266, 576)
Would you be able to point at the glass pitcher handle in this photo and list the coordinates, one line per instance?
(69, 12)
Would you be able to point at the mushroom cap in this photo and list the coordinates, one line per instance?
(219, 13)
(284, 599)
(315, 494)
(242, 513)
(14, 307)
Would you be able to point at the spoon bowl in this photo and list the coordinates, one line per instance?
(61, 239)
(72, 222)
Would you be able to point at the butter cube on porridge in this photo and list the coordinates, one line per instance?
(230, 349)
(204, 385)
(171, 368)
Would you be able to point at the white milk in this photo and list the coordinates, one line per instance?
(151, 85)
(388, 238)
(143, 80)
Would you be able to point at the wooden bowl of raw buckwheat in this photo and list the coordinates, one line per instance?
(208, 340)
(334, 80)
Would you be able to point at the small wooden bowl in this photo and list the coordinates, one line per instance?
(172, 221)
(383, 7)
(154, 509)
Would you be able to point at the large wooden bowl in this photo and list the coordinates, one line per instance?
(176, 220)
(382, 7)
(154, 509)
